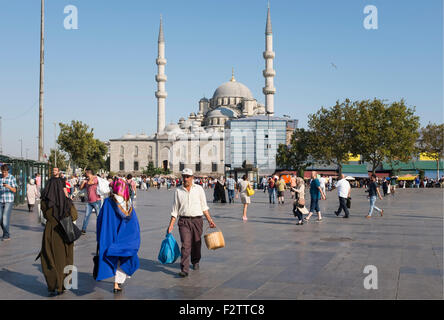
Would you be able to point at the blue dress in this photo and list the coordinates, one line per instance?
(118, 237)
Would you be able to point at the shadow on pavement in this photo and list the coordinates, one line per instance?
(154, 266)
(24, 281)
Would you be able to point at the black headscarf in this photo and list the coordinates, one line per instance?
(55, 198)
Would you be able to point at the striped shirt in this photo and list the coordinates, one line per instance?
(7, 195)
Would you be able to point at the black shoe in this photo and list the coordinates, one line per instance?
(337, 213)
(196, 266)
(83, 232)
(119, 289)
(53, 293)
(183, 274)
(345, 217)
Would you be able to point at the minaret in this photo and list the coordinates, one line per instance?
(269, 90)
(161, 78)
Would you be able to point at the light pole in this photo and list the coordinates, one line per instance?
(21, 148)
(55, 145)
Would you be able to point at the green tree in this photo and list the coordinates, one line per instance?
(295, 155)
(384, 132)
(431, 142)
(78, 141)
(150, 170)
(61, 160)
(332, 134)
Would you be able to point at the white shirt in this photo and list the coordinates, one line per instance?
(343, 187)
(322, 182)
(189, 203)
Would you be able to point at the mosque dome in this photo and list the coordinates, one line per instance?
(128, 136)
(232, 89)
(171, 127)
(142, 136)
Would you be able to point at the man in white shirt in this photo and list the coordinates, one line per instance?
(190, 204)
(344, 190)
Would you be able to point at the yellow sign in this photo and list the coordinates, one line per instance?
(424, 157)
(351, 158)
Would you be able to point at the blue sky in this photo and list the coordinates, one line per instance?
(103, 73)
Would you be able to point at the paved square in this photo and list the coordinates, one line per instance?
(267, 257)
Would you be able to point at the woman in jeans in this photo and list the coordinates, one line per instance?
(373, 191)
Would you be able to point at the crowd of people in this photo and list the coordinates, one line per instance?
(112, 198)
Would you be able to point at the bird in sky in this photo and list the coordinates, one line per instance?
(334, 66)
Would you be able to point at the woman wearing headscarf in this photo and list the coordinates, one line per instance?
(299, 203)
(32, 193)
(219, 191)
(55, 254)
(118, 236)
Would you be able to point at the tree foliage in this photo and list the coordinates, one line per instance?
(431, 142)
(78, 141)
(294, 156)
(150, 170)
(384, 132)
(61, 160)
(332, 134)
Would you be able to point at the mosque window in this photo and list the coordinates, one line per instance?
(121, 165)
(136, 151)
(150, 153)
(214, 167)
(181, 166)
(198, 167)
(136, 165)
(122, 150)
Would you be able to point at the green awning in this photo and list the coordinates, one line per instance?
(428, 165)
(355, 168)
(398, 165)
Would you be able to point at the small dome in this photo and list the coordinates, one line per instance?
(216, 114)
(171, 127)
(128, 136)
(232, 89)
(142, 136)
(186, 124)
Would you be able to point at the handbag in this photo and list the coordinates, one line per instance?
(70, 232)
(96, 263)
(301, 202)
(349, 203)
(250, 191)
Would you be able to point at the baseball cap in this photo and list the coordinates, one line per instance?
(187, 172)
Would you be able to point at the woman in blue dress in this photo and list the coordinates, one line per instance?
(118, 236)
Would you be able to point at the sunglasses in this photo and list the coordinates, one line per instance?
(186, 176)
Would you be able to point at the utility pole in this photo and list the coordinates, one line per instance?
(1, 142)
(55, 145)
(21, 148)
(42, 31)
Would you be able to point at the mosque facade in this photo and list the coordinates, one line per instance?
(197, 142)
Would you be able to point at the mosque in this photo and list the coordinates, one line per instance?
(198, 141)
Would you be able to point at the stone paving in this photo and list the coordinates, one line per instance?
(267, 257)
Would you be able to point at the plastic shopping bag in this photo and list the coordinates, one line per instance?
(169, 250)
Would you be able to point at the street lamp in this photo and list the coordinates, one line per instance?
(21, 148)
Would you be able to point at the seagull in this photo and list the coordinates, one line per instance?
(334, 65)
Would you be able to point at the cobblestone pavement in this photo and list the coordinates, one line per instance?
(267, 257)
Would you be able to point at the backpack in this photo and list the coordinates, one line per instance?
(103, 187)
(271, 184)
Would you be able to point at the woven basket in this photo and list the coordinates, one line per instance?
(214, 240)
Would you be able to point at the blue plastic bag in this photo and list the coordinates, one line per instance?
(169, 250)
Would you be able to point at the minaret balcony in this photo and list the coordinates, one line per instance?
(161, 61)
(269, 54)
(268, 90)
(161, 94)
(269, 73)
(161, 78)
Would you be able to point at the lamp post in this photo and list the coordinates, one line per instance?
(21, 148)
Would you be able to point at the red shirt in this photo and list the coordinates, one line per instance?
(91, 189)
